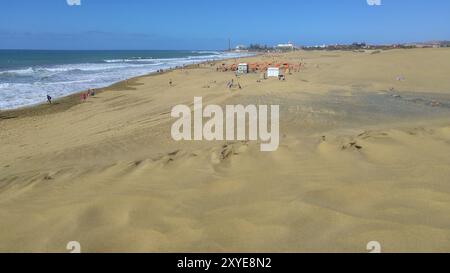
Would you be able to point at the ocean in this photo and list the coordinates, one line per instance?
(27, 76)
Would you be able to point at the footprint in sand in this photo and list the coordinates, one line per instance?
(227, 151)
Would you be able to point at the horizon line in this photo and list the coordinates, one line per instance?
(225, 49)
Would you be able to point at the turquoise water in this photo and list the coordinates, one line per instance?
(27, 76)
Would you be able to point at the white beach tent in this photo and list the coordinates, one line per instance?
(273, 72)
(243, 68)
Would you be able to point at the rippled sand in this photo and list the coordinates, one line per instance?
(362, 157)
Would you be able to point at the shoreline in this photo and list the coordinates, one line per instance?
(66, 102)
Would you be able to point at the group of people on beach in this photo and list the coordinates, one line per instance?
(83, 96)
(231, 84)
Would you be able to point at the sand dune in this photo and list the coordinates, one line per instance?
(362, 157)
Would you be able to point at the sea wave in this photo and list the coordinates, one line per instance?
(87, 67)
(208, 52)
(30, 85)
(138, 60)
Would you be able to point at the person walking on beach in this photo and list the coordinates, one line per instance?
(49, 99)
(230, 84)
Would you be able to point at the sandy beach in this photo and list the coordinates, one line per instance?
(364, 156)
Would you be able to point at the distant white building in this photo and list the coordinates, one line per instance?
(288, 46)
(241, 48)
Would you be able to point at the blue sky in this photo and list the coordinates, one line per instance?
(207, 24)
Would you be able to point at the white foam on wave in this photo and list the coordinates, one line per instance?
(73, 67)
(208, 52)
(129, 60)
(26, 71)
(29, 86)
